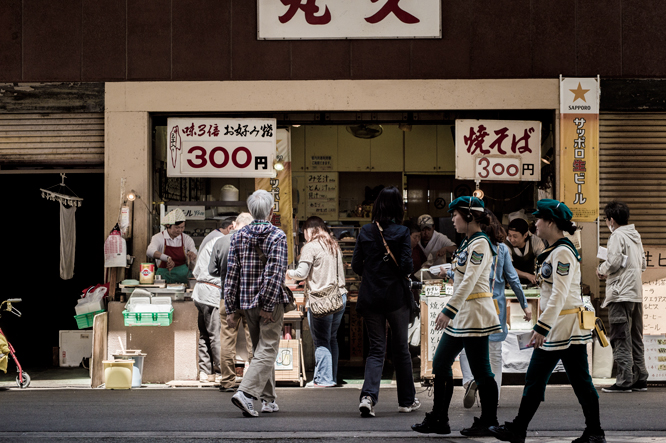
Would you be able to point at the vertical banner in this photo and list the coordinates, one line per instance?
(579, 147)
(280, 188)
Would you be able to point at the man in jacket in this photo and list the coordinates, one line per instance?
(217, 267)
(256, 268)
(624, 298)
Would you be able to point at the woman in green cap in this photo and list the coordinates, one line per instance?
(558, 334)
(468, 319)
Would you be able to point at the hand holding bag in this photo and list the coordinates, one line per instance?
(329, 300)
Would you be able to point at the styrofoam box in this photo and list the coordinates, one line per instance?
(139, 300)
(151, 308)
(74, 347)
(85, 308)
(161, 301)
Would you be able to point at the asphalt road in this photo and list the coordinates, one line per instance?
(305, 415)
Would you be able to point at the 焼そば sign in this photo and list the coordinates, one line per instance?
(506, 150)
(201, 147)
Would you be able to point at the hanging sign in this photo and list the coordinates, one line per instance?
(191, 212)
(204, 147)
(321, 195)
(579, 147)
(506, 150)
(347, 19)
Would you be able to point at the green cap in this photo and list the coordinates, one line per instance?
(467, 202)
(548, 208)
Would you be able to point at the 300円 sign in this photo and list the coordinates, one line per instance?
(198, 147)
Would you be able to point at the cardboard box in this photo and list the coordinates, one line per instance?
(74, 347)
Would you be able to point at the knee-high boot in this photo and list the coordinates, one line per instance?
(488, 396)
(591, 412)
(526, 411)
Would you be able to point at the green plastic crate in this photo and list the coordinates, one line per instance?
(84, 321)
(148, 318)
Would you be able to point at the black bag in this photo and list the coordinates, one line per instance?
(414, 309)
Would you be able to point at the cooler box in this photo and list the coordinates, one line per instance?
(74, 347)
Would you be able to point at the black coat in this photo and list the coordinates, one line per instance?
(383, 284)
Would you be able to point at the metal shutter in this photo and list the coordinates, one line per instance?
(64, 139)
(632, 168)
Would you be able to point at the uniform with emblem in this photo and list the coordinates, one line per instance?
(559, 273)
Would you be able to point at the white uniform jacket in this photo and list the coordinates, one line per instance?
(471, 308)
(560, 291)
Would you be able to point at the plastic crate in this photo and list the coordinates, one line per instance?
(84, 321)
(148, 318)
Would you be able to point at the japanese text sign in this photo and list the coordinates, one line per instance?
(435, 306)
(191, 212)
(200, 147)
(348, 19)
(507, 150)
(321, 196)
(579, 147)
(654, 291)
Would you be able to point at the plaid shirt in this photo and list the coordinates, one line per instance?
(250, 283)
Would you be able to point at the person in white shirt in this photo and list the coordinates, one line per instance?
(225, 227)
(432, 246)
(524, 248)
(172, 249)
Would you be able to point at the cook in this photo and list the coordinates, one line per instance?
(430, 246)
(172, 249)
(524, 248)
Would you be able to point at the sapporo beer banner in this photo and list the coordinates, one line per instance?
(280, 188)
(579, 147)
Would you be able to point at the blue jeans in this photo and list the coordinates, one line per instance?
(375, 325)
(324, 332)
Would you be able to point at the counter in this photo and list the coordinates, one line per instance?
(172, 350)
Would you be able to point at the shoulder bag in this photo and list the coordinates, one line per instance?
(414, 309)
(329, 300)
(291, 305)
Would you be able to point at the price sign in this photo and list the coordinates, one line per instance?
(498, 168)
(448, 289)
(432, 290)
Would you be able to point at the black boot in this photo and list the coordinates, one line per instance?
(589, 437)
(593, 432)
(488, 397)
(508, 432)
(479, 429)
(433, 423)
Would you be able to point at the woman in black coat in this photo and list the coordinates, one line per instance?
(383, 297)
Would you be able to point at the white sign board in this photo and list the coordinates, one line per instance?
(655, 356)
(579, 95)
(205, 147)
(284, 361)
(435, 306)
(321, 196)
(191, 212)
(506, 150)
(348, 19)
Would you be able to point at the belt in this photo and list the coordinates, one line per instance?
(572, 311)
(211, 284)
(479, 295)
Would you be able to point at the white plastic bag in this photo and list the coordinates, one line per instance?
(115, 250)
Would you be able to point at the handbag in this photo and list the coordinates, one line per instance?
(329, 300)
(289, 306)
(414, 309)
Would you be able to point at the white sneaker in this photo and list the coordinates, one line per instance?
(269, 407)
(413, 407)
(244, 403)
(218, 378)
(366, 407)
(203, 377)
(470, 394)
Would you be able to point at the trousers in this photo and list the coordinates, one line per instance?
(259, 379)
(495, 356)
(626, 338)
(209, 338)
(228, 340)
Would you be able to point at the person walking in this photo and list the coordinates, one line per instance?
(558, 334)
(624, 298)
(384, 297)
(501, 272)
(321, 267)
(217, 267)
(467, 319)
(256, 288)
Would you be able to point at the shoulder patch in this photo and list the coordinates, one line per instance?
(476, 258)
(563, 268)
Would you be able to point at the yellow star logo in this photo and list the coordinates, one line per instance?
(579, 93)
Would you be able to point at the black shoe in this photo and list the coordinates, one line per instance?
(479, 429)
(589, 438)
(639, 386)
(432, 425)
(223, 389)
(616, 389)
(508, 432)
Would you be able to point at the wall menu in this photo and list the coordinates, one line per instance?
(435, 306)
(321, 195)
(655, 357)
(654, 291)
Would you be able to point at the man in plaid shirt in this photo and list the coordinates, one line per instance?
(256, 289)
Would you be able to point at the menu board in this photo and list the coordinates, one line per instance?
(435, 306)
(655, 356)
(654, 291)
(321, 195)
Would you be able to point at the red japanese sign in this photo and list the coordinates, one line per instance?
(505, 150)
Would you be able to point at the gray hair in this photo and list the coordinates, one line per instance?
(260, 204)
(243, 219)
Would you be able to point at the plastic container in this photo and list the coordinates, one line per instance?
(84, 321)
(137, 369)
(148, 318)
(118, 374)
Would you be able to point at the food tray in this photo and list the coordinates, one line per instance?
(84, 321)
(148, 318)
